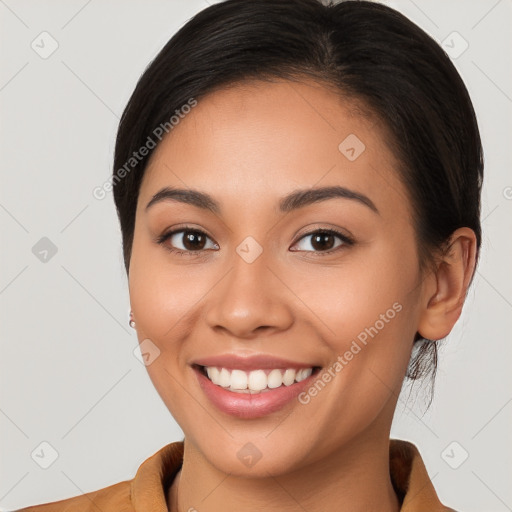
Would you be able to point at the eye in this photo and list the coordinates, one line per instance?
(186, 240)
(190, 241)
(323, 241)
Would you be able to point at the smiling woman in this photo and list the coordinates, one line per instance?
(307, 224)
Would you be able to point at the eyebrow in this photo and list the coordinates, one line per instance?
(293, 201)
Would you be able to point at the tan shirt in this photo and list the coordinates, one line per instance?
(147, 492)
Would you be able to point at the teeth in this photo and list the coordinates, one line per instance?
(224, 378)
(238, 379)
(289, 377)
(274, 379)
(255, 381)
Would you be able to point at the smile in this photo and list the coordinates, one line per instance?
(256, 381)
(253, 392)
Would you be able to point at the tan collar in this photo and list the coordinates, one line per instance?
(410, 479)
(408, 474)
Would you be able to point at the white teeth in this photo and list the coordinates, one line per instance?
(255, 381)
(274, 379)
(289, 377)
(213, 374)
(224, 378)
(303, 373)
(238, 379)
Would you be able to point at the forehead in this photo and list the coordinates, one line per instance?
(250, 142)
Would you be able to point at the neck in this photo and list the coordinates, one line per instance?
(356, 476)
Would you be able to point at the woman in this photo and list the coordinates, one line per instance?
(298, 188)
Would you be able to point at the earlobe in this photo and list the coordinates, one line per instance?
(450, 280)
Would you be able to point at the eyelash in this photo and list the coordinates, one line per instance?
(347, 241)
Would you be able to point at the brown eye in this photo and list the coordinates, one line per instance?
(187, 240)
(193, 240)
(323, 241)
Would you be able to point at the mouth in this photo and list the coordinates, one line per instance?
(253, 393)
(255, 381)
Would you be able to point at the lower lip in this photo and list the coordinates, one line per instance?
(246, 405)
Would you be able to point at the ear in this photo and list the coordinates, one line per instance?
(445, 289)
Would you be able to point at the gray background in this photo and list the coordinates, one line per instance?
(68, 373)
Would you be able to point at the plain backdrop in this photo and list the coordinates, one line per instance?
(68, 374)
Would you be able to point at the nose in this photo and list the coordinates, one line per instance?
(249, 300)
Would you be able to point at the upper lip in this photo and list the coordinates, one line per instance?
(252, 362)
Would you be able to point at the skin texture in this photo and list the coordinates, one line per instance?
(247, 146)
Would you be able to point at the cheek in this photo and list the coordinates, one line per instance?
(159, 302)
(366, 312)
(367, 295)
(162, 296)
(371, 348)
(162, 301)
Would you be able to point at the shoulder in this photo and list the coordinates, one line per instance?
(112, 498)
(146, 491)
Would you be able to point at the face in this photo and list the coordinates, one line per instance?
(297, 273)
